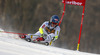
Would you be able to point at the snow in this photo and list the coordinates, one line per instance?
(11, 44)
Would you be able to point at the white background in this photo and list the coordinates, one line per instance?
(11, 44)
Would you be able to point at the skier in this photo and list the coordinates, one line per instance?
(48, 31)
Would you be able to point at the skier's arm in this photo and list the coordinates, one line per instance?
(56, 34)
(41, 29)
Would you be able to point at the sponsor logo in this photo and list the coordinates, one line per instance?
(56, 19)
(62, 0)
(43, 26)
(74, 3)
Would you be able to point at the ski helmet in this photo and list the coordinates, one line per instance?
(54, 19)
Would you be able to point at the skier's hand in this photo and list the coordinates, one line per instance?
(44, 36)
(53, 39)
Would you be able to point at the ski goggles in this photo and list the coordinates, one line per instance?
(54, 23)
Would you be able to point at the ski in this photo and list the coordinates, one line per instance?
(33, 40)
(23, 37)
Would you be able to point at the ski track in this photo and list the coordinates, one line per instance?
(11, 44)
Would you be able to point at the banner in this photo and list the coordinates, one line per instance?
(75, 2)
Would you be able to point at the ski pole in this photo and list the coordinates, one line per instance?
(50, 42)
(13, 33)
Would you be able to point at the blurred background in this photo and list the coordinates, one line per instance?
(26, 16)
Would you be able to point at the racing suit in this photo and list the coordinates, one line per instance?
(45, 28)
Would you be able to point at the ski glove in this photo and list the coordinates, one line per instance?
(53, 39)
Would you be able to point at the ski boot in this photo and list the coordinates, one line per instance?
(22, 36)
(28, 39)
(38, 39)
(46, 43)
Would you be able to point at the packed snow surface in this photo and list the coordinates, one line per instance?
(11, 44)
